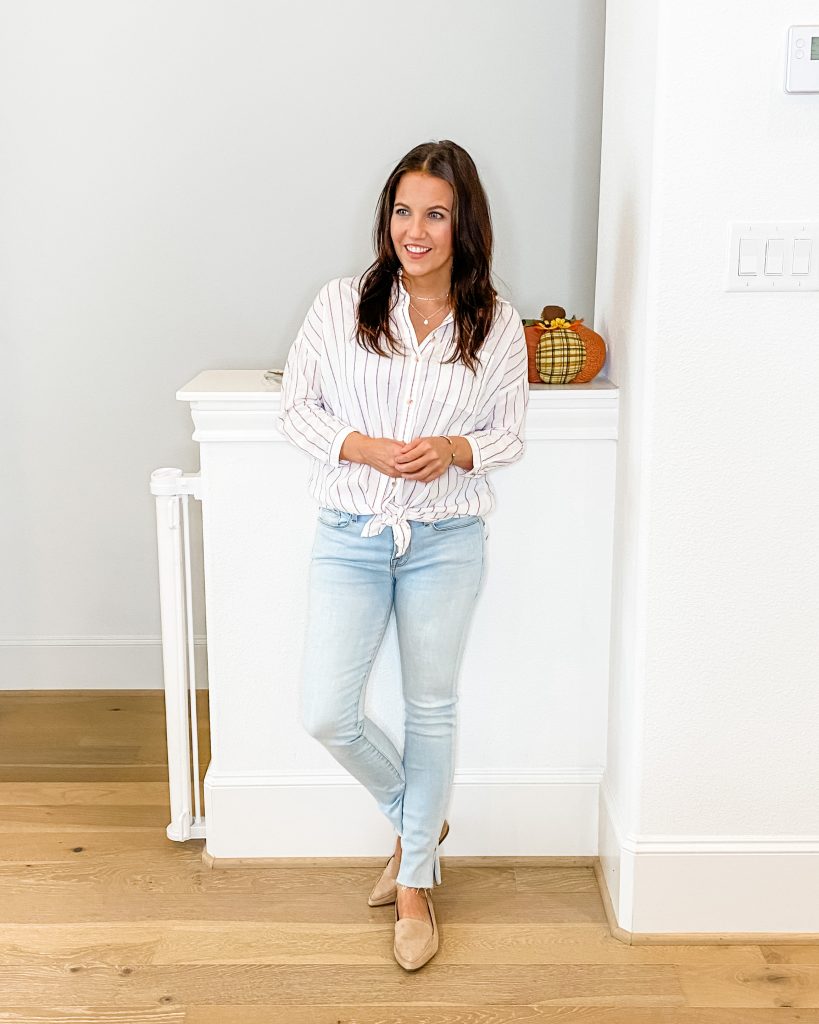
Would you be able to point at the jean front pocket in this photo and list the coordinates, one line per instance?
(334, 517)
(456, 522)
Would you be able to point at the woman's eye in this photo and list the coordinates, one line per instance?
(436, 214)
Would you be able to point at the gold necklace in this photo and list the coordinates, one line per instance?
(430, 316)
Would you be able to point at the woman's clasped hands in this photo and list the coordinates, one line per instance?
(423, 458)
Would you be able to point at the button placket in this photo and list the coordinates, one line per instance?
(412, 414)
(410, 420)
(416, 346)
(405, 402)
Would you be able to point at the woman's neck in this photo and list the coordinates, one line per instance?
(427, 284)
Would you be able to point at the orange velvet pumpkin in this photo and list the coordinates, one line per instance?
(533, 335)
(595, 353)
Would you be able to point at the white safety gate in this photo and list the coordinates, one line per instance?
(172, 488)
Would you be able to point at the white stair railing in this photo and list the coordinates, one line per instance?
(172, 488)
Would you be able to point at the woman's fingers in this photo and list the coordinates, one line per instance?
(428, 468)
(415, 464)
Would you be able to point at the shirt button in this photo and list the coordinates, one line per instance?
(409, 401)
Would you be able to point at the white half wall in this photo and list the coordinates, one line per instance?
(710, 791)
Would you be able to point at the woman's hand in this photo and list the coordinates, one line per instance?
(425, 458)
(378, 452)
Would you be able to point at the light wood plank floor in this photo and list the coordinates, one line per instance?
(106, 920)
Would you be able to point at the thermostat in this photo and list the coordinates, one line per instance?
(802, 74)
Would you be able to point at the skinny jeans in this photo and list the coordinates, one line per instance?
(354, 583)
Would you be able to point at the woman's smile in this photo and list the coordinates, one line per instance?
(417, 252)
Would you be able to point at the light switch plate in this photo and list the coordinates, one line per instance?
(773, 256)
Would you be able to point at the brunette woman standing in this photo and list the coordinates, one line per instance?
(407, 385)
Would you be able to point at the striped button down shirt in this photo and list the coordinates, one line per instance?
(331, 387)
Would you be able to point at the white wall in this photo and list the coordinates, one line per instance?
(178, 181)
(626, 178)
(714, 702)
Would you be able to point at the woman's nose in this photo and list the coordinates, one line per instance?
(417, 229)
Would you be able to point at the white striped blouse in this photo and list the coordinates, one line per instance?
(331, 386)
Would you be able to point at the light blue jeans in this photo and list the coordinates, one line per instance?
(354, 582)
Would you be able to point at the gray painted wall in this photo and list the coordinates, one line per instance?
(179, 179)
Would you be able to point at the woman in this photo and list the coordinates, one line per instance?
(407, 385)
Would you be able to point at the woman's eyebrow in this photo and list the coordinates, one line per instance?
(438, 206)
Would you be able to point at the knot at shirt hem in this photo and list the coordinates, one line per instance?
(393, 515)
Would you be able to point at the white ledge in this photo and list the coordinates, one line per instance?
(240, 405)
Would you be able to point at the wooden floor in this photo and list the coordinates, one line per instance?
(102, 918)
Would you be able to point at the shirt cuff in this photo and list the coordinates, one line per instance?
(476, 456)
(336, 446)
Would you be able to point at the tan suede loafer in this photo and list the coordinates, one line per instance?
(384, 889)
(416, 941)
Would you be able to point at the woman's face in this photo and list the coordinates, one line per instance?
(421, 224)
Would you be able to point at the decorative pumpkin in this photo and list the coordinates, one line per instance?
(559, 356)
(562, 351)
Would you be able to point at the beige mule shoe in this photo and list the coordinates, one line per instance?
(416, 941)
(384, 889)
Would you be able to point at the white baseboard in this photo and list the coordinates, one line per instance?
(708, 884)
(89, 663)
(491, 814)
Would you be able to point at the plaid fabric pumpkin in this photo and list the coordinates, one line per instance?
(559, 356)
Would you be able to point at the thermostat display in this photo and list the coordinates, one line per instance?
(802, 74)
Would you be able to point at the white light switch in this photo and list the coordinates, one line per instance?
(748, 249)
(772, 256)
(801, 256)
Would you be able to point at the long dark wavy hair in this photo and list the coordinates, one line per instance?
(472, 296)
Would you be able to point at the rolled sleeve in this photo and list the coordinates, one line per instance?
(338, 444)
(476, 455)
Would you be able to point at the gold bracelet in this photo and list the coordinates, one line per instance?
(451, 445)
